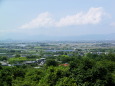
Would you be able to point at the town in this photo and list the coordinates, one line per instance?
(19, 53)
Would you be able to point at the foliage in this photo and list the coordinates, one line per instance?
(33, 57)
(2, 58)
(89, 70)
(17, 55)
(51, 62)
(19, 59)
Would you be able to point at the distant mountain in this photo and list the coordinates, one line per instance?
(94, 37)
(83, 37)
(67, 38)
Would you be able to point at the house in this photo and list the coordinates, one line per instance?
(29, 62)
(56, 55)
(37, 67)
(41, 61)
(4, 63)
(66, 64)
(16, 64)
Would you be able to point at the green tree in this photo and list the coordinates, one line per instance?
(17, 56)
(66, 81)
(2, 58)
(51, 62)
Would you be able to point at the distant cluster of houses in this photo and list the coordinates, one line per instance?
(40, 62)
(4, 63)
(99, 53)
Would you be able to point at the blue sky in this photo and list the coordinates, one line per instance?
(34, 19)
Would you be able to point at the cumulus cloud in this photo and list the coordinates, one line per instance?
(92, 16)
(43, 20)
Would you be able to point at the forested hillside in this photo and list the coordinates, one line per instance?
(88, 70)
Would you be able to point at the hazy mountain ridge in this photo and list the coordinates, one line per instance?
(68, 38)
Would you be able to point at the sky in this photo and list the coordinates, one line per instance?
(48, 19)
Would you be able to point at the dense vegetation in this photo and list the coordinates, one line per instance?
(88, 70)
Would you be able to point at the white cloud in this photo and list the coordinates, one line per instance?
(93, 16)
(43, 20)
